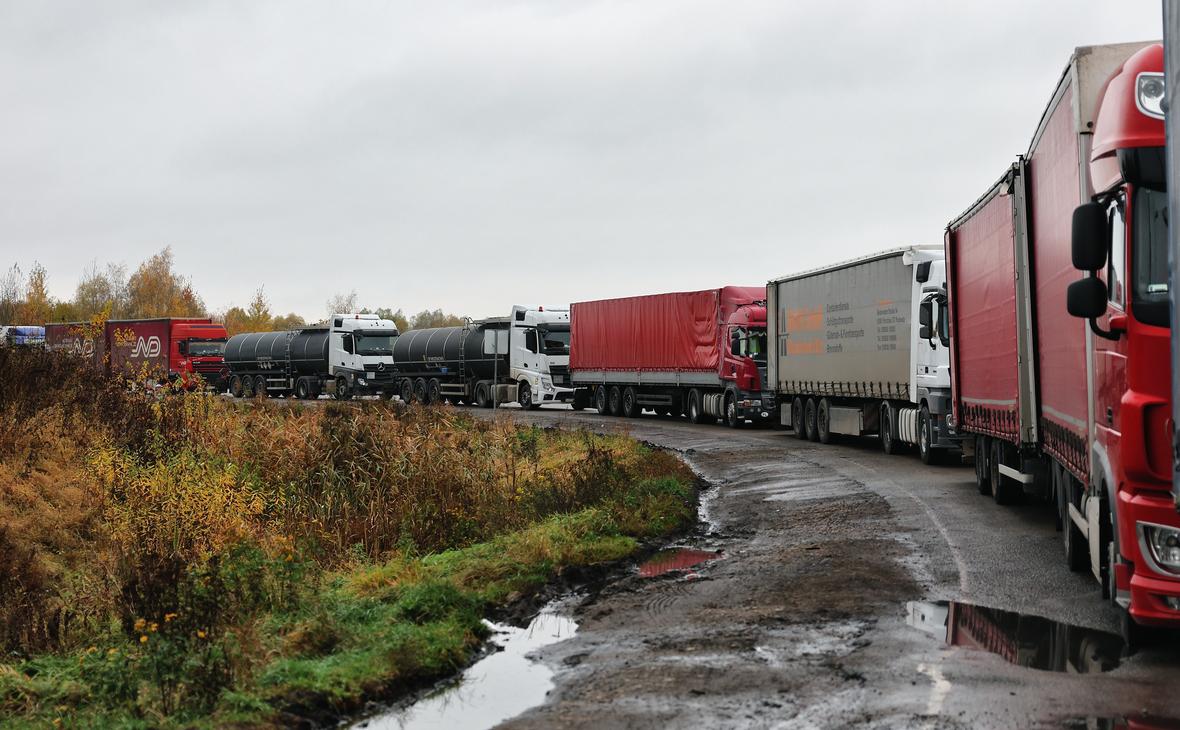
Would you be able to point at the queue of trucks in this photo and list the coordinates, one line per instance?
(1034, 342)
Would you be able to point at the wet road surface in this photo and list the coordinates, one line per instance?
(816, 594)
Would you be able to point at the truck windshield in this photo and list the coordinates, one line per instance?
(1150, 257)
(557, 340)
(749, 342)
(373, 344)
(206, 348)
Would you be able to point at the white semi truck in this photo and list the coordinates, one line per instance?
(523, 357)
(861, 348)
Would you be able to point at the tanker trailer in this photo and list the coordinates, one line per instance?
(523, 357)
(350, 354)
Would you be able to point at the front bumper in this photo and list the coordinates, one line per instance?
(756, 406)
(1150, 586)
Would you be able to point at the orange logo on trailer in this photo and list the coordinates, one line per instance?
(805, 320)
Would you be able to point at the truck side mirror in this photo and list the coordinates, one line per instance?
(926, 320)
(1086, 298)
(1090, 237)
(922, 272)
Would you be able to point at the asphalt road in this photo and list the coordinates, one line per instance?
(802, 622)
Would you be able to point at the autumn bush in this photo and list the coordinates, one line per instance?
(174, 551)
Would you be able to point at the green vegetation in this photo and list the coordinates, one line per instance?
(174, 559)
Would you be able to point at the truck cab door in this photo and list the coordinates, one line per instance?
(1110, 355)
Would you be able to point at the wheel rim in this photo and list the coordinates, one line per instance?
(924, 436)
(526, 395)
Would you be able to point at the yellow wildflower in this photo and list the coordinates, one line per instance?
(143, 639)
(154, 627)
(168, 617)
(200, 634)
(139, 624)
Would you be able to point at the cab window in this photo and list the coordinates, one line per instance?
(1116, 267)
(530, 340)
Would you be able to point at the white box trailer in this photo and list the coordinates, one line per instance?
(861, 348)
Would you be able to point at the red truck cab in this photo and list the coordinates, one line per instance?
(1121, 239)
(198, 348)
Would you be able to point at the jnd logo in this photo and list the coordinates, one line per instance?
(149, 347)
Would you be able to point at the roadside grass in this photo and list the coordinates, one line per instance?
(175, 560)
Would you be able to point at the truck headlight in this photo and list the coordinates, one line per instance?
(360, 381)
(546, 383)
(1164, 545)
(1149, 94)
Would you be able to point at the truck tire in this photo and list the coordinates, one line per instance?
(581, 400)
(406, 390)
(630, 403)
(420, 390)
(1077, 554)
(260, 387)
(614, 401)
(809, 419)
(343, 392)
(926, 450)
(983, 481)
(433, 391)
(524, 395)
(696, 412)
(600, 400)
(731, 415)
(823, 421)
(797, 418)
(482, 396)
(888, 430)
(303, 389)
(235, 386)
(1003, 491)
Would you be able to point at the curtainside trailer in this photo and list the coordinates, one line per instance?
(1077, 408)
(699, 353)
(860, 348)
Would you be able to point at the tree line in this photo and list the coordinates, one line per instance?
(155, 289)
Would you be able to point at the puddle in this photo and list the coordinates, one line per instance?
(677, 559)
(496, 688)
(1027, 641)
(1126, 722)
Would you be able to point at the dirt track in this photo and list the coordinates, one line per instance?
(802, 621)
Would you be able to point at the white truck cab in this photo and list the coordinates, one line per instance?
(360, 350)
(539, 359)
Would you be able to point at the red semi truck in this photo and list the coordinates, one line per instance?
(1078, 409)
(699, 353)
(165, 348)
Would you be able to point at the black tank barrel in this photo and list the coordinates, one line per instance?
(447, 350)
(306, 350)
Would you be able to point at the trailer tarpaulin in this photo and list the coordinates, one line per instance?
(661, 332)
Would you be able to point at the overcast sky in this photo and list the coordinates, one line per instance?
(472, 155)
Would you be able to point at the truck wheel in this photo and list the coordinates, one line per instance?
(1077, 554)
(696, 413)
(524, 395)
(482, 396)
(600, 400)
(343, 392)
(809, 420)
(797, 418)
(823, 421)
(614, 401)
(889, 442)
(581, 400)
(420, 390)
(982, 474)
(433, 391)
(631, 407)
(731, 415)
(302, 389)
(1002, 490)
(235, 386)
(247, 386)
(406, 390)
(926, 451)
(260, 386)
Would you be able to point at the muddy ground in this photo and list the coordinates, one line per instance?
(802, 620)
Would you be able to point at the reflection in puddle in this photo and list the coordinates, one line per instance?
(494, 689)
(669, 561)
(1127, 722)
(1027, 641)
